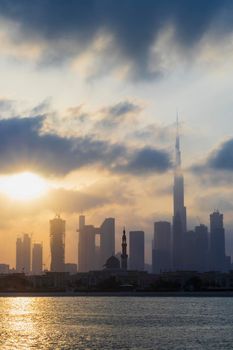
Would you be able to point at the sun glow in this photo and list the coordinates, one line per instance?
(23, 186)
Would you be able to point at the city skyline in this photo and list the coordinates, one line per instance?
(94, 260)
(175, 247)
(93, 102)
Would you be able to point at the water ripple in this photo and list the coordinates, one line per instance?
(107, 323)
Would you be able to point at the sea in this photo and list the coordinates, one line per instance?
(104, 323)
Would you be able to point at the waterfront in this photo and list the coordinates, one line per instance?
(116, 323)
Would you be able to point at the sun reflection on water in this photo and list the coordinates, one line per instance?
(111, 323)
(18, 327)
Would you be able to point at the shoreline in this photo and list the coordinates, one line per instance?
(205, 294)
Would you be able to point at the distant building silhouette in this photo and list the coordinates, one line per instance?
(202, 248)
(161, 251)
(107, 240)
(124, 256)
(136, 250)
(228, 263)
(86, 246)
(217, 242)
(57, 244)
(19, 255)
(92, 256)
(179, 210)
(190, 255)
(178, 243)
(23, 254)
(37, 259)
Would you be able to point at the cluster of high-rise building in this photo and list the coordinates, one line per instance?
(174, 248)
(197, 250)
(28, 259)
(92, 256)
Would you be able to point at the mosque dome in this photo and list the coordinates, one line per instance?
(112, 263)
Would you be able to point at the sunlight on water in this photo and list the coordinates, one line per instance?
(19, 327)
(115, 323)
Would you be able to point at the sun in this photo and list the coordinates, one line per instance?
(24, 186)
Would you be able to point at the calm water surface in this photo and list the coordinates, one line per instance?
(116, 323)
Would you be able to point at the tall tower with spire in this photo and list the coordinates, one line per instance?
(179, 209)
(124, 256)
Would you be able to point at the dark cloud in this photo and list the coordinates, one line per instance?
(42, 107)
(217, 168)
(134, 24)
(147, 160)
(118, 113)
(222, 158)
(123, 108)
(24, 145)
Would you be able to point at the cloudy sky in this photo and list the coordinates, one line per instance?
(89, 92)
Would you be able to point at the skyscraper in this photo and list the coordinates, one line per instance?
(124, 256)
(217, 242)
(136, 250)
(161, 251)
(19, 255)
(202, 244)
(23, 254)
(179, 210)
(107, 240)
(57, 244)
(190, 251)
(86, 246)
(37, 260)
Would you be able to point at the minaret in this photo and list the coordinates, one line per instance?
(124, 256)
(179, 210)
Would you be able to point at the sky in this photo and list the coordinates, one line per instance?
(89, 94)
